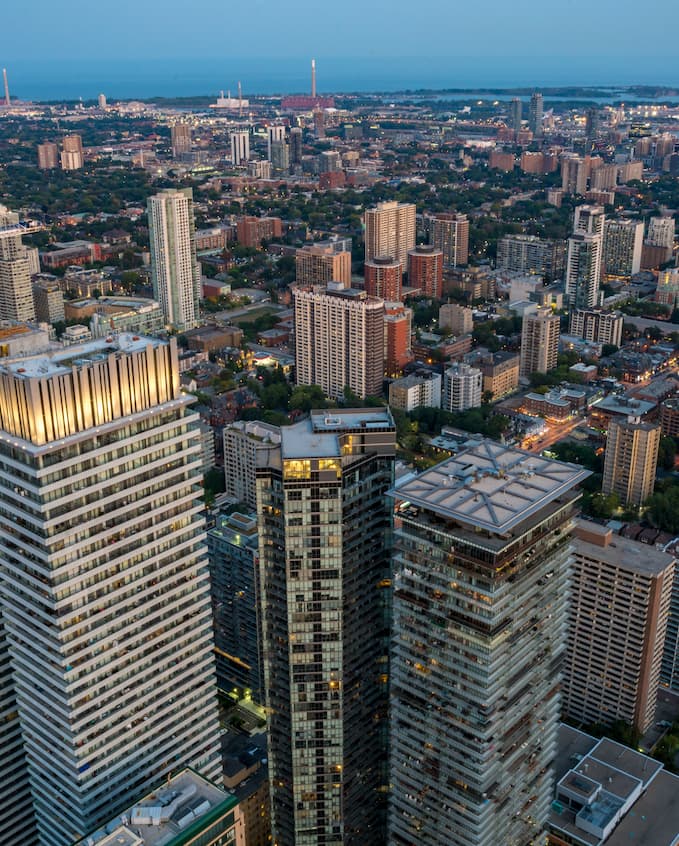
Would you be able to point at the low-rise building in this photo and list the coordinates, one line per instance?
(418, 390)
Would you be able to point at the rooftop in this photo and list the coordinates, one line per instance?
(617, 404)
(491, 486)
(627, 554)
(317, 435)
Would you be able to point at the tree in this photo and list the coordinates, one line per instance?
(663, 509)
(306, 398)
(666, 453)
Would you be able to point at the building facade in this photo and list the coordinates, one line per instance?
(16, 292)
(585, 251)
(449, 232)
(630, 460)
(597, 325)
(462, 387)
(242, 441)
(390, 231)
(416, 391)
(539, 342)
(326, 261)
(623, 242)
(529, 254)
(425, 270)
(458, 319)
(383, 278)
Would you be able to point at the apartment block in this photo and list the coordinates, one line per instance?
(462, 387)
(597, 325)
(630, 460)
(449, 232)
(326, 261)
(416, 391)
(242, 441)
(539, 342)
(390, 231)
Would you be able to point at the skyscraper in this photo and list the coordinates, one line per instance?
(630, 460)
(48, 155)
(622, 244)
(274, 133)
(383, 278)
(325, 575)
(174, 269)
(539, 342)
(515, 113)
(449, 232)
(585, 251)
(72, 153)
(480, 593)
(240, 147)
(103, 578)
(425, 270)
(390, 231)
(16, 292)
(295, 146)
(181, 139)
(535, 114)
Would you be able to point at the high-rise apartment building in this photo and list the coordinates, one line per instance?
(339, 339)
(535, 111)
(529, 254)
(274, 134)
(49, 302)
(72, 157)
(500, 373)
(251, 231)
(325, 573)
(575, 173)
(425, 270)
(622, 245)
(174, 268)
(326, 261)
(390, 231)
(180, 137)
(16, 292)
(280, 156)
(539, 342)
(597, 325)
(419, 390)
(398, 322)
(480, 612)
(242, 441)
(515, 114)
(457, 319)
(630, 460)
(104, 581)
(585, 252)
(383, 278)
(449, 232)
(240, 147)
(667, 290)
(661, 232)
(462, 387)
(48, 155)
(620, 601)
(296, 146)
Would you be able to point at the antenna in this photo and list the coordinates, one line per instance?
(313, 77)
(4, 78)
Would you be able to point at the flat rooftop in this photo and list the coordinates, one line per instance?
(490, 486)
(616, 404)
(625, 553)
(317, 435)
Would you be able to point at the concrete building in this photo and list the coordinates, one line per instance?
(585, 252)
(72, 157)
(597, 325)
(449, 232)
(251, 231)
(339, 339)
(456, 318)
(242, 441)
(274, 134)
(667, 290)
(630, 460)
(180, 136)
(240, 147)
(535, 110)
(539, 342)
(575, 173)
(622, 245)
(515, 112)
(398, 352)
(480, 611)
(280, 156)
(419, 390)
(16, 292)
(116, 643)
(326, 261)
(620, 601)
(48, 155)
(661, 233)
(175, 270)
(383, 278)
(48, 300)
(529, 254)
(390, 231)
(425, 270)
(462, 387)
(500, 372)
(325, 571)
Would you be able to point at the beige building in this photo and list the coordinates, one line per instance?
(317, 264)
(456, 318)
(49, 302)
(539, 342)
(390, 231)
(48, 155)
(630, 460)
(181, 139)
(449, 232)
(242, 442)
(500, 373)
(620, 601)
(597, 325)
(16, 293)
(72, 153)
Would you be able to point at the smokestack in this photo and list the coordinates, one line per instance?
(313, 77)
(4, 77)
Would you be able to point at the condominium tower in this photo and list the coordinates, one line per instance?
(325, 570)
(622, 246)
(104, 581)
(390, 231)
(462, 387)
(240, 147)
(539, 342)
(630, 460)
(174, 269)
(72, 157)
(535, 110)
(529, 254)
(585, 251)
(480, 612)
(325, 261)
(449, 232)
(597, 325)
(16, 292)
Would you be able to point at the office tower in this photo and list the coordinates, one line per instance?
(280, 156)
(174, 268)
(515, 112)
(480, 610)
(274, 134)
(49, 302)
(181, 139)
(425, 270)
(16, 294)
(295, 146)
(620, 600)
(101, 101)
(339, 339)
(585, 251)
(462, 387)
(103, 578)
(630, 460)
(535, 114)
(72, 152)
(529, 254)
(242, 441)
(234, 579)
(449, 232)
(539, 342)
(326, 261)
(456, 318)
(48, 155)
(325, 570)
(398, 321)
(390, 231)
(622, 245)
(240, 147)
(383, 277)
(597, 325)
(419, 390)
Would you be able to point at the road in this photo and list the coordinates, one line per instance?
(555, 432)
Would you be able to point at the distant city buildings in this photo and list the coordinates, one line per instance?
(72, 157)
(240, 147)
(180, 137)
(48, 155)
(535, 111)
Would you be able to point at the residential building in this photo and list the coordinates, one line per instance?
(458, 319)
(597, 325)
(325, 261)
(180, 137)
(539, 342)
(48, 300)
(620, 601)
(175, 271)
(529, 254)
(462, 387)
(535, 111)
(101, 508)
(500, 160)
(425, 270)
(16, 292)
(630, 460)
(295, 146)
(390, 231)
(280, 156)
(242, 441)
(622, 245)
(397, 338)
(48, 155)
(325, 573)
(449, 232)
(669, 417)
(667, 291)
(515, 112)
(383, 278)
(234, 579)
(585, 252)
(259, 169)
(500, 372)
(339, 339)
(240, 147)
(419, 390)
(480, 610)
(72, 157)
(661, 233)
(251, 231)
(274, 134)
